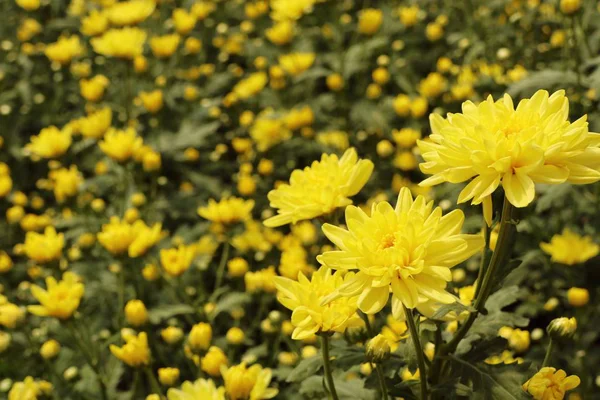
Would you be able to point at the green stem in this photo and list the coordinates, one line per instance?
(548, 353)
(365, 318)
(154, 385)
(327, 366)
(382, 385)
(485, 257)
(222, 263)
(414, 334)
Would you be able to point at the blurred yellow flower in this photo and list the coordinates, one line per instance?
(168, 376)
(184, 21)
(213, 360)
(570, 248)
(28, 5)
(200, 336)
(250, 86)
(578, 297)
(121, 43)
(369, 21)
(228, 210)
(284, 10)
(171, 334)
(28, 29)
(175, 261)
(130, 12)
(96, 123)
(93, 89)
(550, 384)
(50, 349)
(95, 23)
(121, 145)
(200, 389)
(242, 383)
(281, 33)
(61, 299)
(319, 189)
(409, 249)
(304, 298)
(50, 142)
(433, 85)
(533, 143)
(116, 236)
(135, 351)
(570, 6)
(6, 263)
(268, 131)
(164, 46)
(43, 248)
(145, 237)
(296, 63)
(299, 117)
(152, 101)
(28, 389)
(64, 50)
(65, 182)
(10, 314)
(409, 16)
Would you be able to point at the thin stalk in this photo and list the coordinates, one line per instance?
(327, 366)
(414, 334)
(382, 385)
(154, 385)
(548, 353)
(222, 263)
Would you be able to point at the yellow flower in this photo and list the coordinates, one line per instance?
(152, 101)
(93, 89)
(281, 33)
(570, 6)
(284, 10)
(6, 185)
(50, 142)
(394, 331)
(6, 263)
(135, 351)
(319, 189)
(171, 334)
(61, 299)
(378, 349)
(570, 248)
(28, 389)
(121, 43)
(369, 21)
(261, 280)
(145, 238)
(200, 336)
(96, 124)
(235, 336)
(44, 248)
(184, 21)
(304, 298)
(250, 86)
(10, 314)
(204, 389)
(28, 29)
(227, 211)
(434, 31)
(408, 250)
(293, 261)
(409, 16)
(116, 236)
(164, 46)
(168, 376)
(136, 312)
(50, 349)
(95, 23)
(550, 384)
(212, 362)
(578, 297)
(242, 383)
(130, 12)
(66, 182)
(64, 50)
(562, 327)
(28, 5)
(299, 117)
(5, 339)
(202, 9)
(267, 132)
(175, 261)
(121, 145)
(433, 85)
(296, 63)
(494, 144)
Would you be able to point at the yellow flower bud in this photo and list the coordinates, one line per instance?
(172, 334)
(150, 272)
(213, 360)
(335, 82)
(384, 148)
(237, 267)
(136, 313)
(570, 6)
(200, 336)
(235, 336)
(5, 339)
(562, 327)
(578, 297)
(168, 376)
(6, 263)
(50, 349)
(378, 349)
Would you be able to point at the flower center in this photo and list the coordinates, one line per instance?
(388, 240)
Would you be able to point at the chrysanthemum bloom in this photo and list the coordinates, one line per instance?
(121, 43)
(50, 142)
(268, 131)
(135, 351)
(63, 50)
(145, 238)
(319, 189)
(66, 182)
(570, 248)
(199, 389)
(242, 383)
(28, 389)
(152, 101)
(562, 327)
(10, 314)
(284, 10)
(43, 248)
(281, 33)
(121, 145)
(116, 236)
(61, 299)
(130, 12)
(304, 298)
(93, 89)
(227, 211)
(550, 384)
(176, 261)
(95, 23)
(164, 46)
(96, 123)
(408, 251)
(250, 86)
(493, 143)
(296, 63)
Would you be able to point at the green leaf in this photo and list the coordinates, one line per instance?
(166, 311)
(546, 79)
(456, 307)
(190, 134)
(354, 390)
(230, 301)
(305, 369)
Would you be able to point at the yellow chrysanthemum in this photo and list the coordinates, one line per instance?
(550, 384)
(408, 251)
(61, 299)
(64, 50)
(319, 189)
(164, 46)
(242, 383)
(120, 43)
(96, 123)
(250, 86)
(43, 248)
(296, 63)
(227, 211)
(570, 248)
(145, 237)
(65, 182)
(200, 389)
(135, 351)
(493, 143)
(50, 143)
(130, 12)
(116, 236)
(284, 10)
(304, 298)
(121, 145)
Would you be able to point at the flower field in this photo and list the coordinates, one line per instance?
(299, 199)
